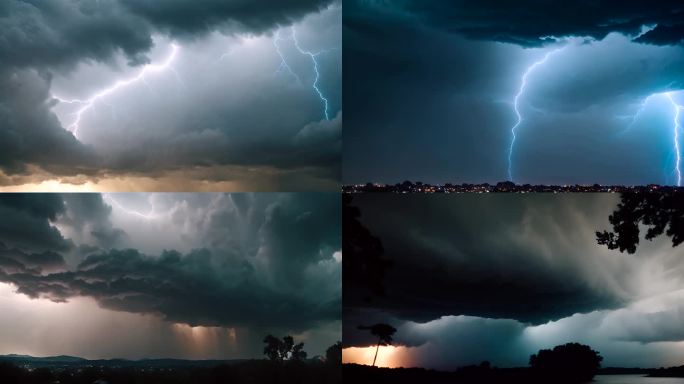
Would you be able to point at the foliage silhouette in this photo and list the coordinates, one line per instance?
(250, 371)
(363, 263)
(285, 349)
(333, 355)
(384, 334)
(572, 362)
(661, 212)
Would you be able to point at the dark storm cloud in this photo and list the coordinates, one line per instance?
(532, 22)
(489, 256)
(266, 260)
(188, 16)
(29, 131)
(88, 212)
(26, 220)
(41, 34)
(192, 289)
(14, 260)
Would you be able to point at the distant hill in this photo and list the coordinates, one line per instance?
(52, 361)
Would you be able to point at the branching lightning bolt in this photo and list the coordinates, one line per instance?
(516, 105)
(315, 66)
(642, 107)
(677, 128)
(90, 102)
(313, 56)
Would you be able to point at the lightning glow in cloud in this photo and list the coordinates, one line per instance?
(99, 96)
(147, 216)
(516, 104)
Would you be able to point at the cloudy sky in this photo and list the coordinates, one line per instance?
(433, 96)
(499, 277)
(168, 275)
(128, 95)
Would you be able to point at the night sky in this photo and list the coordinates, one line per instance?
(199, 276)
(432, 87)
(498, 277)
(129, 95)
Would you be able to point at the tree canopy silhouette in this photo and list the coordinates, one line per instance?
(333, 355)
(384, 334)
(660, 212)
(363, 263)
(572, 362)
(285, 349)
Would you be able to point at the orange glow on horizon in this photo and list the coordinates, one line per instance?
(203, 341)
(388, 356)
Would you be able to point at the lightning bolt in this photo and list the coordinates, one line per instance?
(675, 123)
(89, 103)
(315, 66)
(677, 128)
(313, 56)
(283, 63)
(640, 110)
(516, 104)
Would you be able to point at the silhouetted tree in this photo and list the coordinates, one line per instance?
(363, 263)
(384, 334)
(333, 355)
(572, 362)
(285, 349)
(661, 212)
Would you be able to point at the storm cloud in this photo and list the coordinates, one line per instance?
(57, 52)
(443, 108)
(498, 277)
(531, 23)
(260, 263)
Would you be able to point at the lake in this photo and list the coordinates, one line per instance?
(636, 379)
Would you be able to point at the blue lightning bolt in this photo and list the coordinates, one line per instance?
(516, 105)
(675, 123)
(677, 127)
(313, 56)
(99, 96)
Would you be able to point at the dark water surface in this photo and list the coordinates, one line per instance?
(636, 379)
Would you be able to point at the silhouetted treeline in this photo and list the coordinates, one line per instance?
(568, 363)
(253, 371)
